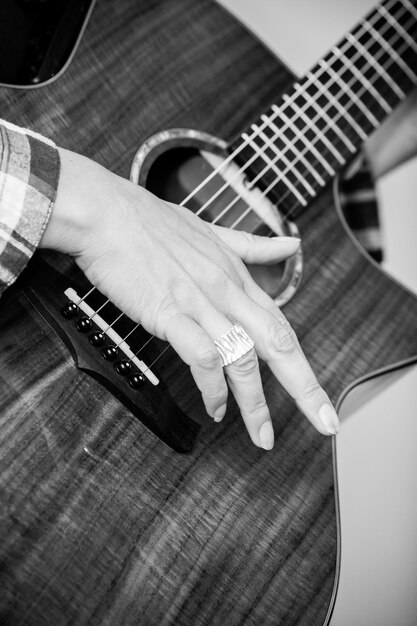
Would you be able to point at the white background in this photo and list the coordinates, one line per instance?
(377, 448)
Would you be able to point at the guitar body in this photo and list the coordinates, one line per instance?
(102, 522)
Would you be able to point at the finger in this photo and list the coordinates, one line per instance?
(245, 382)
(196, 348)
(256, 249)
(277, 344)
(194, 342)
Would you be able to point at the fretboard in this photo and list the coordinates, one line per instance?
(299, 145)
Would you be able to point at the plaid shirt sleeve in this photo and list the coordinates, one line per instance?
(29, 173)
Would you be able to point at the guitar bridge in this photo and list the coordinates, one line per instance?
(105, 331)
(100, 350)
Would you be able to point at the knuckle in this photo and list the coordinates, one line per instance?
(281, 338)
(257, 407)
(215, 397)
(161, 316)
(247, 240)
(214, 272)
(168, 307)
(170, 303)
(208, 359)
(246, 364)
(222, 279)
(311, 388)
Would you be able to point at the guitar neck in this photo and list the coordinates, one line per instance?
(297, 147)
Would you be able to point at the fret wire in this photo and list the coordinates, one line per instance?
(375, 121)
(228, 159)
(282, 155)
(378, 66)
(384, 104)
(330, 123)
(342, 85)
(410, 6)
(342, 110)
(382, 80)
(341, 73)
(394, 23)
(270, 187)
(392, 61)
(326, 165)
(284, 197)
(310, 122)
(335, 102)
(284, 178)
(352, 95)
(300, 136)
(319, 73)
(406, 69)
(231, 204)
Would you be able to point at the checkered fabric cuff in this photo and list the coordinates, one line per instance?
(29, 174)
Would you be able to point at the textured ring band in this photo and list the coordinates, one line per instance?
(233, 344)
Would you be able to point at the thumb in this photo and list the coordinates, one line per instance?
(257, 249)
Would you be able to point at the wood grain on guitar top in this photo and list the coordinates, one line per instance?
(102, 523)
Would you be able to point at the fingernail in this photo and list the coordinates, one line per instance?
(266, 436)
(219, 413)
(329, 420)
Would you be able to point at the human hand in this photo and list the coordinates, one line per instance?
(185, 282)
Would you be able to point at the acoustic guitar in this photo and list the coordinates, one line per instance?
(121, 502)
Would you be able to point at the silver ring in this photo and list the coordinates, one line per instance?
(233, 344)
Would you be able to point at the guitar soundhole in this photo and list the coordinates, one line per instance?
(193, 173)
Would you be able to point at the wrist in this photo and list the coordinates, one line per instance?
(75, 213)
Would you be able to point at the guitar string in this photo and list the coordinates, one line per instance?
(318, 117)
(279, 111)
(375, 16)
(397, 38)
(290, 164)
(279, 178)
